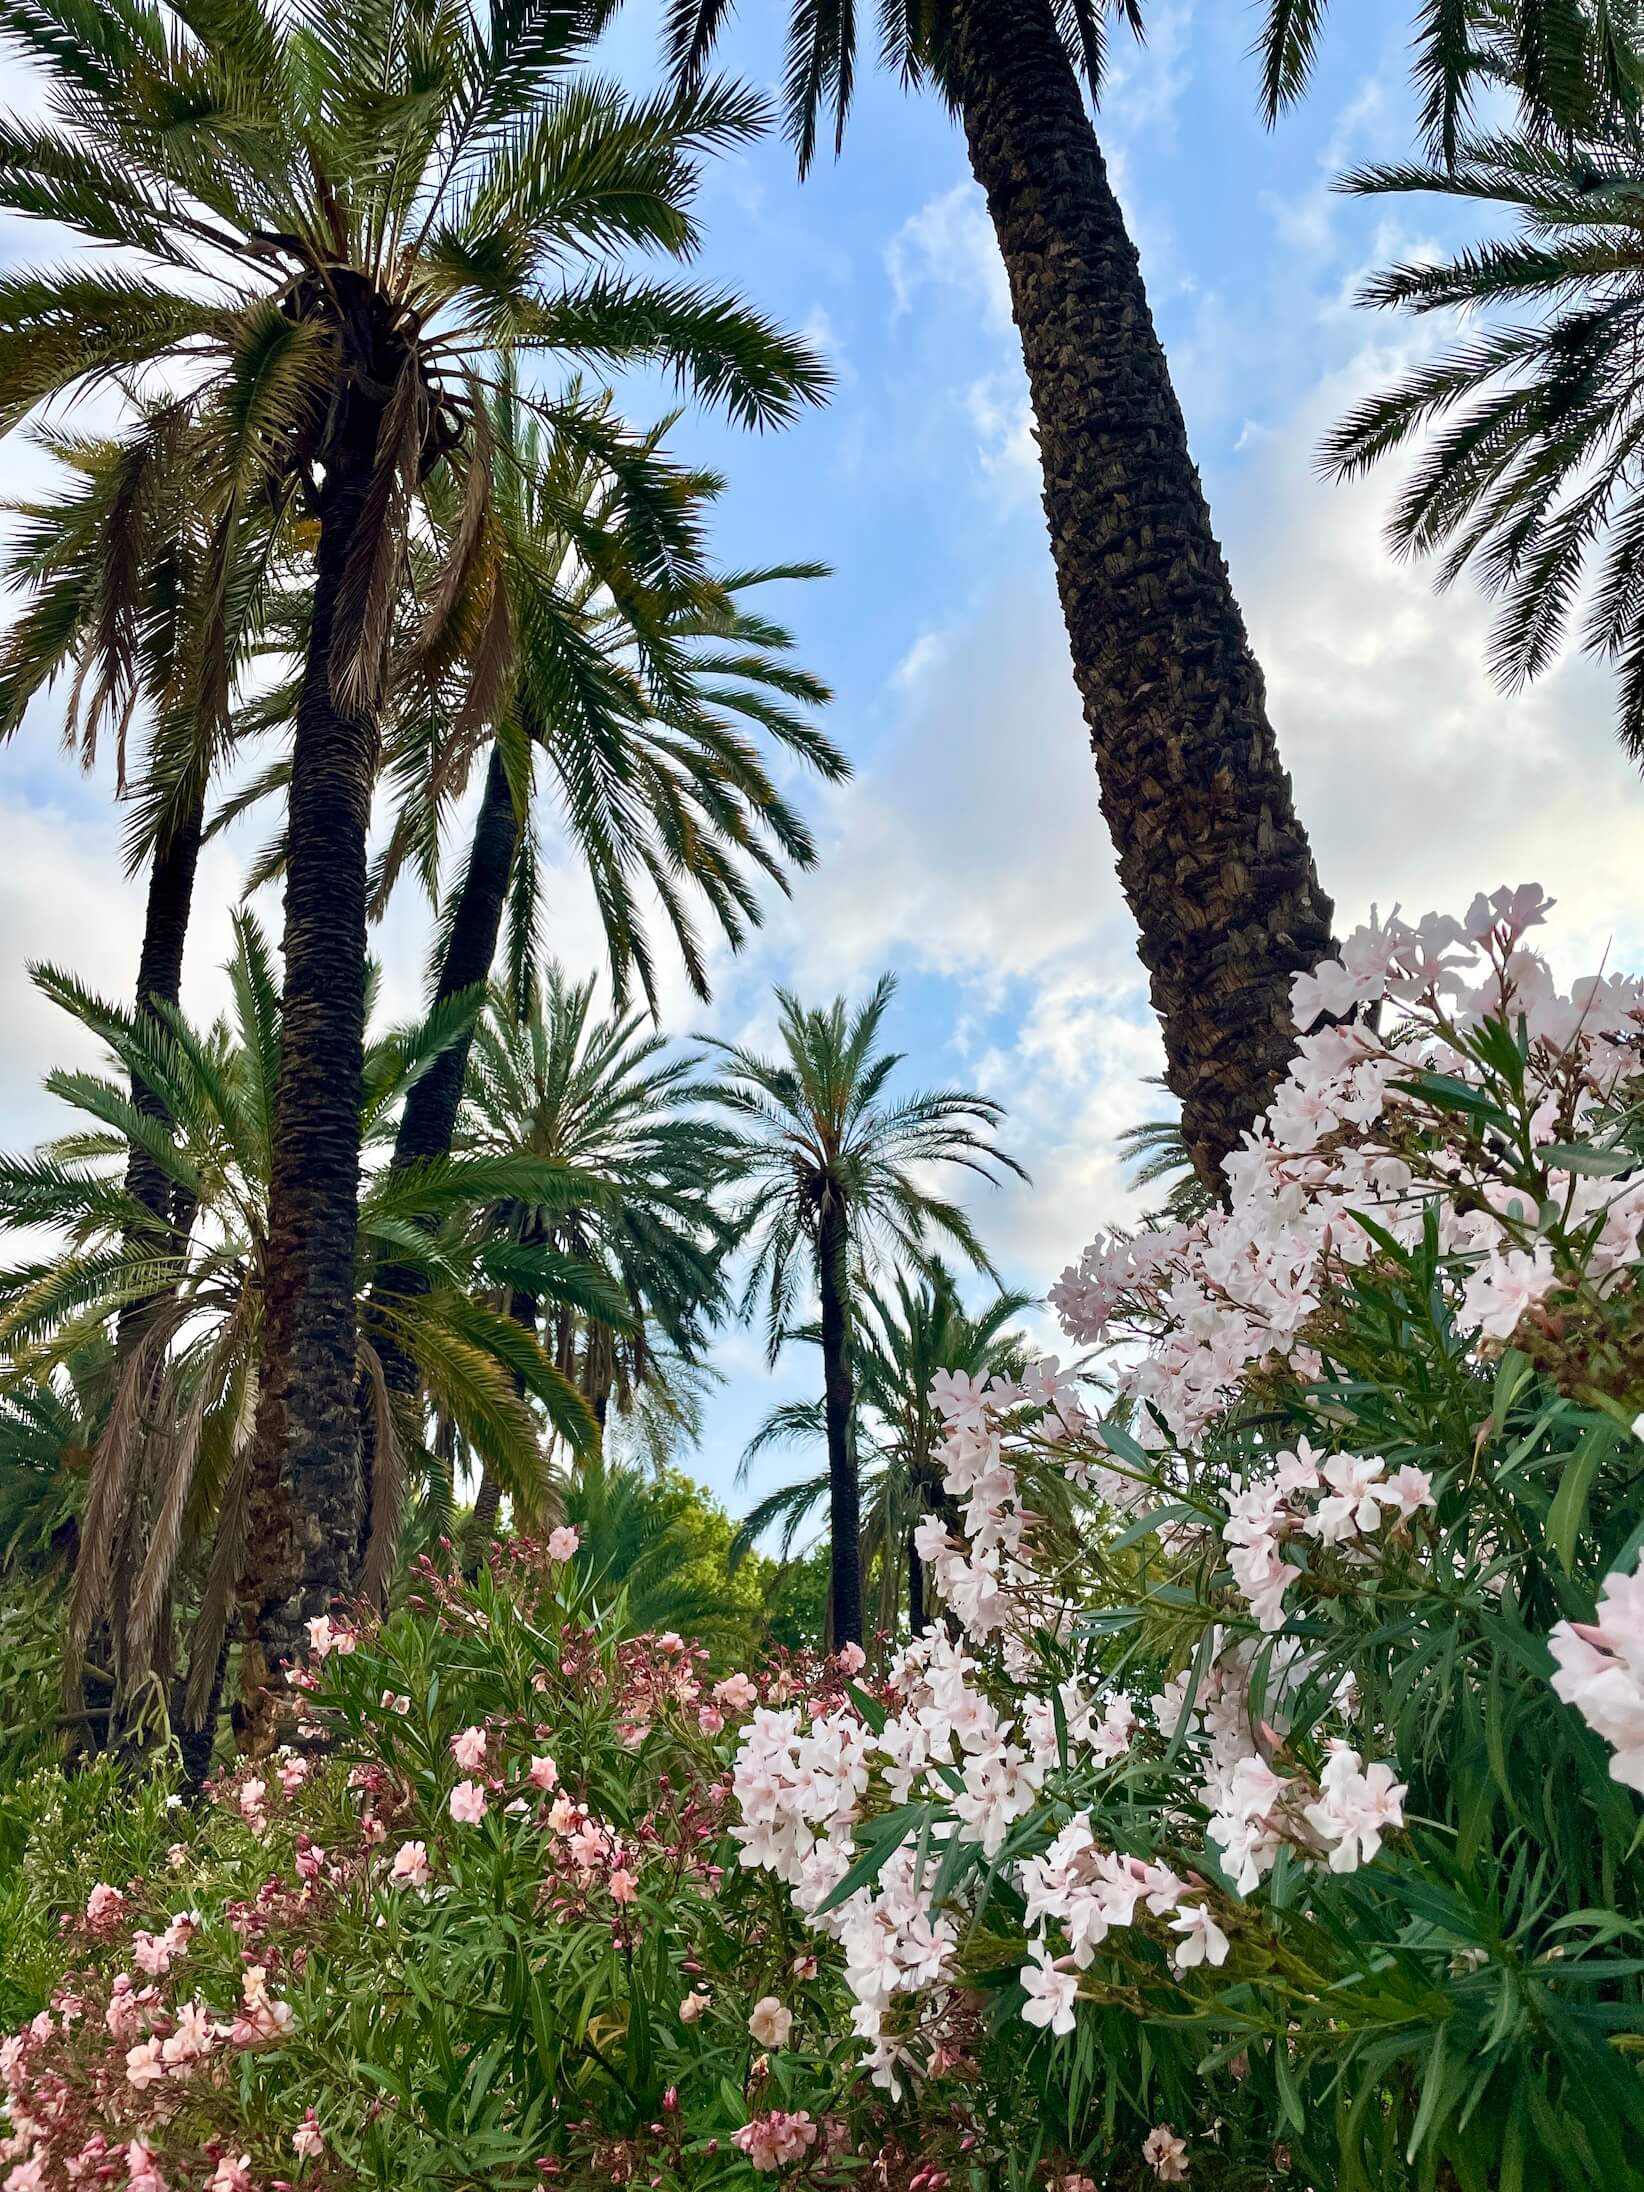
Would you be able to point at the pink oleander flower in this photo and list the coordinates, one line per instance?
(563, 1542)
(543, 1774)
(410, 1866)
(29, 2176)
(293, 1773)
(737, 1693)
(852, 1658)
(692, 2007)
(233, 2175)
(177, 1856)
(395, 1701)
(710, 1719)
(326, 1636)
(308, 2141)
(1165, 2154)
(142, 2169)
(771, 2022)
(623, 1885)
(105, 1906)
(770, 2141)
(145, 2065)
(468, 1749)
(468, 1803)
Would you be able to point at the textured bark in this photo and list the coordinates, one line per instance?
(918, 1620)
(844, 1507)
(306, 1476)
(1213, 860)
(428, 1122)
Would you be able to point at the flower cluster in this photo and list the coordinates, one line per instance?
(1364, 1126)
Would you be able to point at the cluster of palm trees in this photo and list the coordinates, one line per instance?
(363, 526)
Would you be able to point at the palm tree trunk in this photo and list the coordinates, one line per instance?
(428, 1122)
(306, 1478)
(844, 1508)
(160, 981)
(429, 1119)
(918, 1620)
(1213, 860)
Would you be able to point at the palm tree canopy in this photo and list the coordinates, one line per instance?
(605, 1098)
(815, 1128)
(589, 632)
(313, 201)
(178, 1405)
(1533, 423)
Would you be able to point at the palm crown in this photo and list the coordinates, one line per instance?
(1530, 478)
(815, 1136)
(606, 1097)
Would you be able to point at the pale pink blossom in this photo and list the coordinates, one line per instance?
(1165, 2155)
(410, 1866)
(307, 2141)
(544, 1774)
(468, 1749)
(233, 2174)
(692, 2007)
(771, 2022)
(1051, 1992)
(468, 1803)
(563, 1542)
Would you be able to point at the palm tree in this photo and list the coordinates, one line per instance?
(113, 566)
(364, 210)
(626, 685)
(1535, 419)
(174, 1423)
(657, 1551)
(559, 1084)
(1155, 1153)
(898, 1343)
(833, 1170)
(1214, 863)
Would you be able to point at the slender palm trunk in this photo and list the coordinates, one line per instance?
(428, 1123)
(306, 1477)
(918, 1620)
(160, 981)
(844, 1510)
(1213, 860)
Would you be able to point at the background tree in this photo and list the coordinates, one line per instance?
(173, 1412)
(1530, 426)
(381, 204)
(559, 1084)
(832, 1165)
(1215, 865)
(900, 1338)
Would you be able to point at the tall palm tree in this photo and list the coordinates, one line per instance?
(1213, 860)
(175, 1419)
(625, 688)
(365, 206)
(559, 1083)
(1532, 424)
(832, 1169)
(900, 1340)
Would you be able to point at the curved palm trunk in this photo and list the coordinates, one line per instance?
(306, 1480)
(1213, 860)
(844, 1506)
(428, 1122)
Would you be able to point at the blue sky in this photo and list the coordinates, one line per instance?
(969, 853)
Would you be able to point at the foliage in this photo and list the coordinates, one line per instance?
(485, 1932)
(173, 1414)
